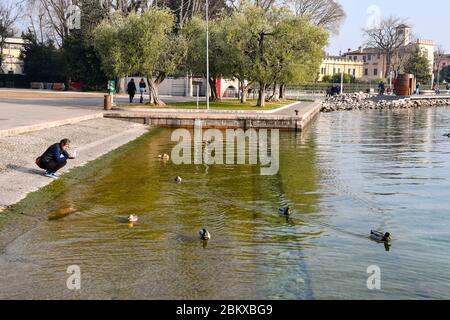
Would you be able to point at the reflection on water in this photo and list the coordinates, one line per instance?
(349, 173)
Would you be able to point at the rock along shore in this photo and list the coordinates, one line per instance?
(364, 101)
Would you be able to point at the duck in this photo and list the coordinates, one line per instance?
(164, 156)
(447, 135)
(132, 218)
(380, 236)
(204, 234)
(284, 211)
(178, 179)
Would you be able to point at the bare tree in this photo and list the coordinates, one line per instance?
(439, 57)
(387, 38)
(8, 16)
(328, 14)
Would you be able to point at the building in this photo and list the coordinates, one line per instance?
(332, 65)
(11, 63)
(192, 86)
(373, 60)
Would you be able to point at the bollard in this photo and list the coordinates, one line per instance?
(107, 102)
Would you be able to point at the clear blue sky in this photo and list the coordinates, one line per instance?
(429, 19)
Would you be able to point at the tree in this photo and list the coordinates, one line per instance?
(445, 74)
(328, 14)
(439, 57)
(386, 38)
(418, 65)
(273, 47)
(43, 62)
(156, 52)
(222, 56)
(348, 78)
(83, 62)
(8, 16)
(297, 53)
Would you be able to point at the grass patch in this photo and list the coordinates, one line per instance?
(219, 105)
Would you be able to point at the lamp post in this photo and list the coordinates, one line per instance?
(207, 57)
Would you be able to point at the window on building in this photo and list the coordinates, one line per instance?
(339, 70)
(349, 71)
(369, 57)
(365, 58)
(354, 72)
(366, 72)
(375, 72)
(334, 70)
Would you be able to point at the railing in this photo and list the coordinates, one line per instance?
(321, 88)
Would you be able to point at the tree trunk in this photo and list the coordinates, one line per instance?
(213, 89)
(244, 90)
(275, 94)
(153, 87)
(120, 87)
(282, 91)
(261, 95)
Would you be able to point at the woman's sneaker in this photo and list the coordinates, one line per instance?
(51, 175)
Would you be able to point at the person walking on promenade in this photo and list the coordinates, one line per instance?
(142, 87)
(54, 158)
(131, 89)
(381, 88)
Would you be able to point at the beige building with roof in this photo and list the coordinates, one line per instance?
(11, 62)
(336, 65)
(374, 61)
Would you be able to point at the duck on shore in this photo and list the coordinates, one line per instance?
(204, 234)
(132, 218)
(284, 211)
(380, 236)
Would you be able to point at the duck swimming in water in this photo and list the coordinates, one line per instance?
(178, 179)
(284, 211)
(380, 236)
(132, 218)
(164, 156)
(447, 135)
(204, 234)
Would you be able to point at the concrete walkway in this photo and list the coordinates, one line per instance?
(19, 175)
(30, 110)
(286, 118)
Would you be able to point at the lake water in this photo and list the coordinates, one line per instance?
(350, 172)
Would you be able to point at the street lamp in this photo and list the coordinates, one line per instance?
(207, 58)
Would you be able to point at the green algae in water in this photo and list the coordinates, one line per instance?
(349, 173)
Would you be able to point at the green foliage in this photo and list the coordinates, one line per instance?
(42, 62)
(347, 78)
(265, 46)
(445, 74)
(83, 62)
(418, 65)
(144, 44)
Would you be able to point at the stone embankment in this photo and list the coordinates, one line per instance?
(364, 101)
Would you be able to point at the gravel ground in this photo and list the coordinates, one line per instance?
(19, 174)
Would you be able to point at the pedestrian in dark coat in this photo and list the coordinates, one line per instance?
(131, 89)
